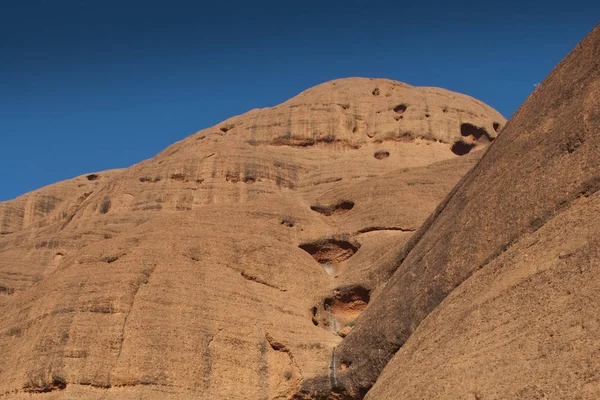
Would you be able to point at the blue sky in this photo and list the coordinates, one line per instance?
(87, 86)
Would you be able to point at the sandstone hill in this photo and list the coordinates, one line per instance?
(233, 263)
(496, 295)
(353, 242)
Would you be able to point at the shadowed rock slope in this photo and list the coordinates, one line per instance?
(230, 265)
(495, 297)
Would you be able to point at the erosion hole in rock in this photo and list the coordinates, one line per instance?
(92, 177)
(381, 154)
(330, 250)
(249, 180)
(230, 177)
(58, 382)
(496, 126)
(338, 208)
(344, 307)
(179, 177)
(467, 129)
(461, 148)
(110, 259)
(349, 299)
(400, 108)
(287, 222)
(8, 290)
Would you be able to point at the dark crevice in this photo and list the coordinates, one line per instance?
(253, 278)
(275, 345)
(57, 383)
(338, 208)
(6, 290)
(304, 142)
(385, 228)
(110, 259)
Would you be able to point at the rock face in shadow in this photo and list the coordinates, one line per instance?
(494, 296)
(230, 265)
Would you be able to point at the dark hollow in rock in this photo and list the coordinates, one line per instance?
(179, 177)
(302, 142)
(496, 126)
(231, 177)
(110, 259)
(57, 383)
(380, 155)
(275, 345)
(287, 222)
(461, 148)
(400, 108)
(349, 299)
(92, 177)
(340, 311)
(338, 208)
(330, 250)
(467, 129)
(6, 290)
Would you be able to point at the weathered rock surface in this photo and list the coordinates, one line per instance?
(230, 265)
(496, 296)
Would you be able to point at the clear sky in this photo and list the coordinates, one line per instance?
(93, 85)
